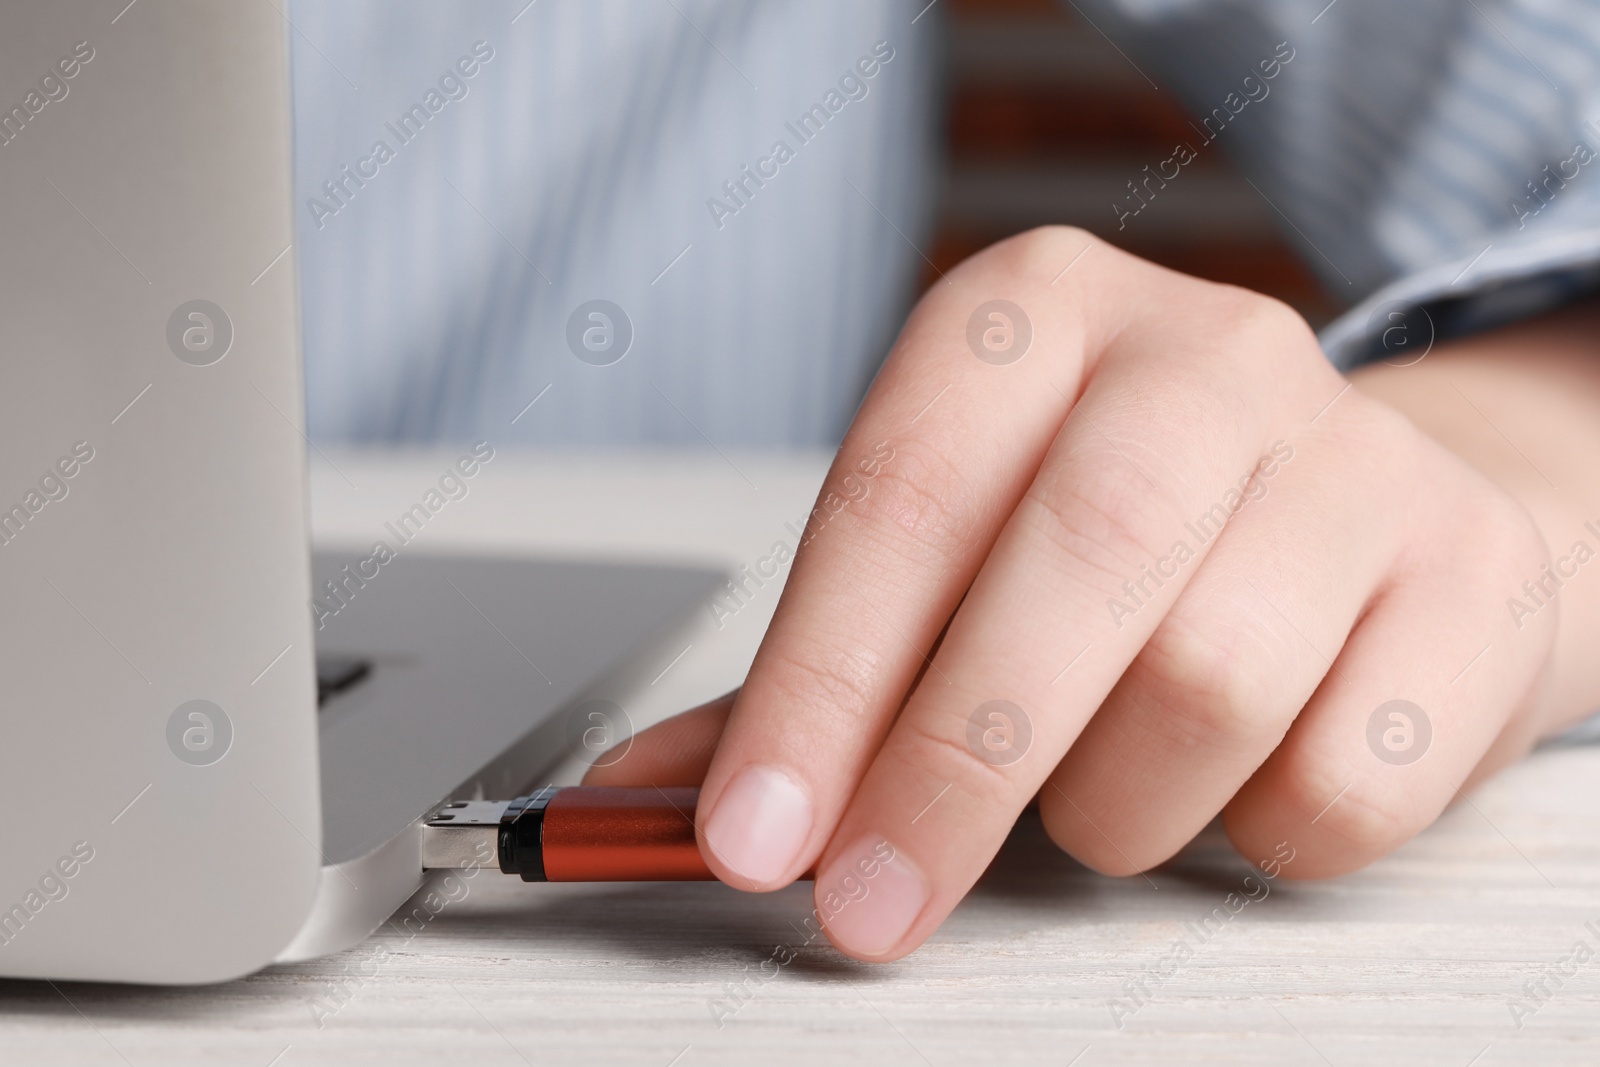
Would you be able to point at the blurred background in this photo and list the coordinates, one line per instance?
(1047, 121)
(438, 300)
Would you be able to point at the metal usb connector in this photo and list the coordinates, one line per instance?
(460, 833)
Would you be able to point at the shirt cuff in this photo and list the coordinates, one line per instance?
(1400, 322)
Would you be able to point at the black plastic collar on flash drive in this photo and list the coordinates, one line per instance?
(522, 835)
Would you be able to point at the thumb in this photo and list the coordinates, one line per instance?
(676, 751)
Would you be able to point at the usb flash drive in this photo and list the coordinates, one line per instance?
(573, 834)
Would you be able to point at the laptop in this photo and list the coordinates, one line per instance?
(217, 746)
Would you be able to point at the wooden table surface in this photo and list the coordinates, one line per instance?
(1478, 943)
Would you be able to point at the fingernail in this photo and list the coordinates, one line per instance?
(870, 896)
(760, 823)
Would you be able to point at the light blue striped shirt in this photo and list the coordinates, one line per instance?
(1441, 153)
(1426, 153)
(582, 160)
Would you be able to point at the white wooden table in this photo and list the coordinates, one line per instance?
(1417, 960)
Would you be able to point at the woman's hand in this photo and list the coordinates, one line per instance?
(1123, 540)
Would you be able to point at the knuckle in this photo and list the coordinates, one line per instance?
(1265, 333)
(1504, 530)
(1081, 836)
(1206, 689)
(1097, 518)
(1368, 823)
(824, 680)
(1271, 316)
(1503, 552)
(1038, 254)
(1475, 531)
(922, 496)
(1041, 248)
(1258, 315)
(938, 747)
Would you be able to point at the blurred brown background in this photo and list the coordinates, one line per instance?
(1047, 122)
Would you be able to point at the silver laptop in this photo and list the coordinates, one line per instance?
(206, 771)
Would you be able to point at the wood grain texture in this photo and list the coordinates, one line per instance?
(1412, 961)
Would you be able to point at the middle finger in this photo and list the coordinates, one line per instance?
(1110, 497)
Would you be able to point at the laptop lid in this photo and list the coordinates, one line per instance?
(159, 754)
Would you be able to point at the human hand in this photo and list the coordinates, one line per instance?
(1154, 560)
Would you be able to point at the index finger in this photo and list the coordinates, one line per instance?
(914, 501)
